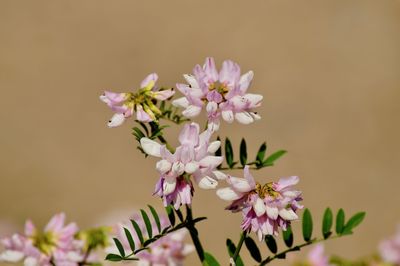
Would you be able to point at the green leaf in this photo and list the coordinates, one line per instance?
(253, 249)
(327, 223)
(138, 231)
(113, 257)
(209, 260)
(119, 247)
(147, 222)
(171, 216)
(353, 222)
(130, 239)
(288, 236)
(231, 250)
(156, 218)
(243, 152)
(229, 153)
(307, 225)
(271, 243)
(340, 221)
(273, 157)
(261, 153)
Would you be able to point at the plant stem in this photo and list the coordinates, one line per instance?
(164, 141)
(295, 248)
(194, 234)
(239, 246)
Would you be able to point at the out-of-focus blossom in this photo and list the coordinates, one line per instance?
(169, 250)
(389, 249)
(193, 158)
(142, 102)
(265, 208)
(316, 256)
(223, 94)
(56, 244)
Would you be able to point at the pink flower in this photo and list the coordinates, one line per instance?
(265, 208)
(390, 249)
(169, 250)
(141, 102)
(56, 243)
(316, 256)
(222, 93)
(193, 158)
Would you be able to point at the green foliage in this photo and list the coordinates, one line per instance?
(209, 260)
(271, 243)
(231, 250)
(259, 162)
(253, 249)
(147, 237)
(327, 223)
(307, 225)
(353, 222)
(171, 113)
(340, 221)
(288, 236)
(151, 130)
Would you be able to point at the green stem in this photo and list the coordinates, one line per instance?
(164, 141)
(239, 246)
(194, 234)
(295, 248)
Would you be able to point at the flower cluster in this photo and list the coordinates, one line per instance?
(265, 208)
(55, 245)
(168, 250)
(141, 102)
(222, 93)
(193, 158)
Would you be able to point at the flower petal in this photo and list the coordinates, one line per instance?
(259, 207)
(213, 146)
(207, 182)
(245, 81)
(116, 120)
(192, 111)
(228, 194)
(153, 77)
(288, 214)
(190, 134)
(150, 147)
(169, 186)
(244, 118)
(181, 102)
(227, 115)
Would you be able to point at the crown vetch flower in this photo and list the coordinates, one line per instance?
(222, 93)
(126, 103)
(56, 244)
(316, 257)
(193, 158)
(169, 250)
(389, 249)
(265, 208)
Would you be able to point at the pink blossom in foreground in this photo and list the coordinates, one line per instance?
(193, 158)
(265, 208)
(125, 104)
(389, 249)
(56, 244)
(169, 250)
(223, 94)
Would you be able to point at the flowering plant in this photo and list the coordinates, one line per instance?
(201, 160)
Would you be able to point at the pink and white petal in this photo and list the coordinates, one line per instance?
(11, 256)
(150, 147)
(116, 120)
(228, 194)
(219, 175)
(228, 116)
(285, 182)
(259, 207)
(163, 166)
(213, 125)
(254, 100)
(169, 186)
(210, 70)
(56, 223)
(141, 115)
(245, 81)
(288, 214)
(189, 135)
(255, 116)
(211, 107)
(192, 81)
(164, 94)
(213, 146)
(239, 184)
(244, 118)
(115, 97)
(191, 167)
(192, 111)
(249, 177)
(211, 161)
(206, 182)
(30, 228)
(153, 77)
(181, 102)
(272, 212)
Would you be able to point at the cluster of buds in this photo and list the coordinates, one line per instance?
(141, 102)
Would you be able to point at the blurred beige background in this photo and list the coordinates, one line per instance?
(329, 72)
